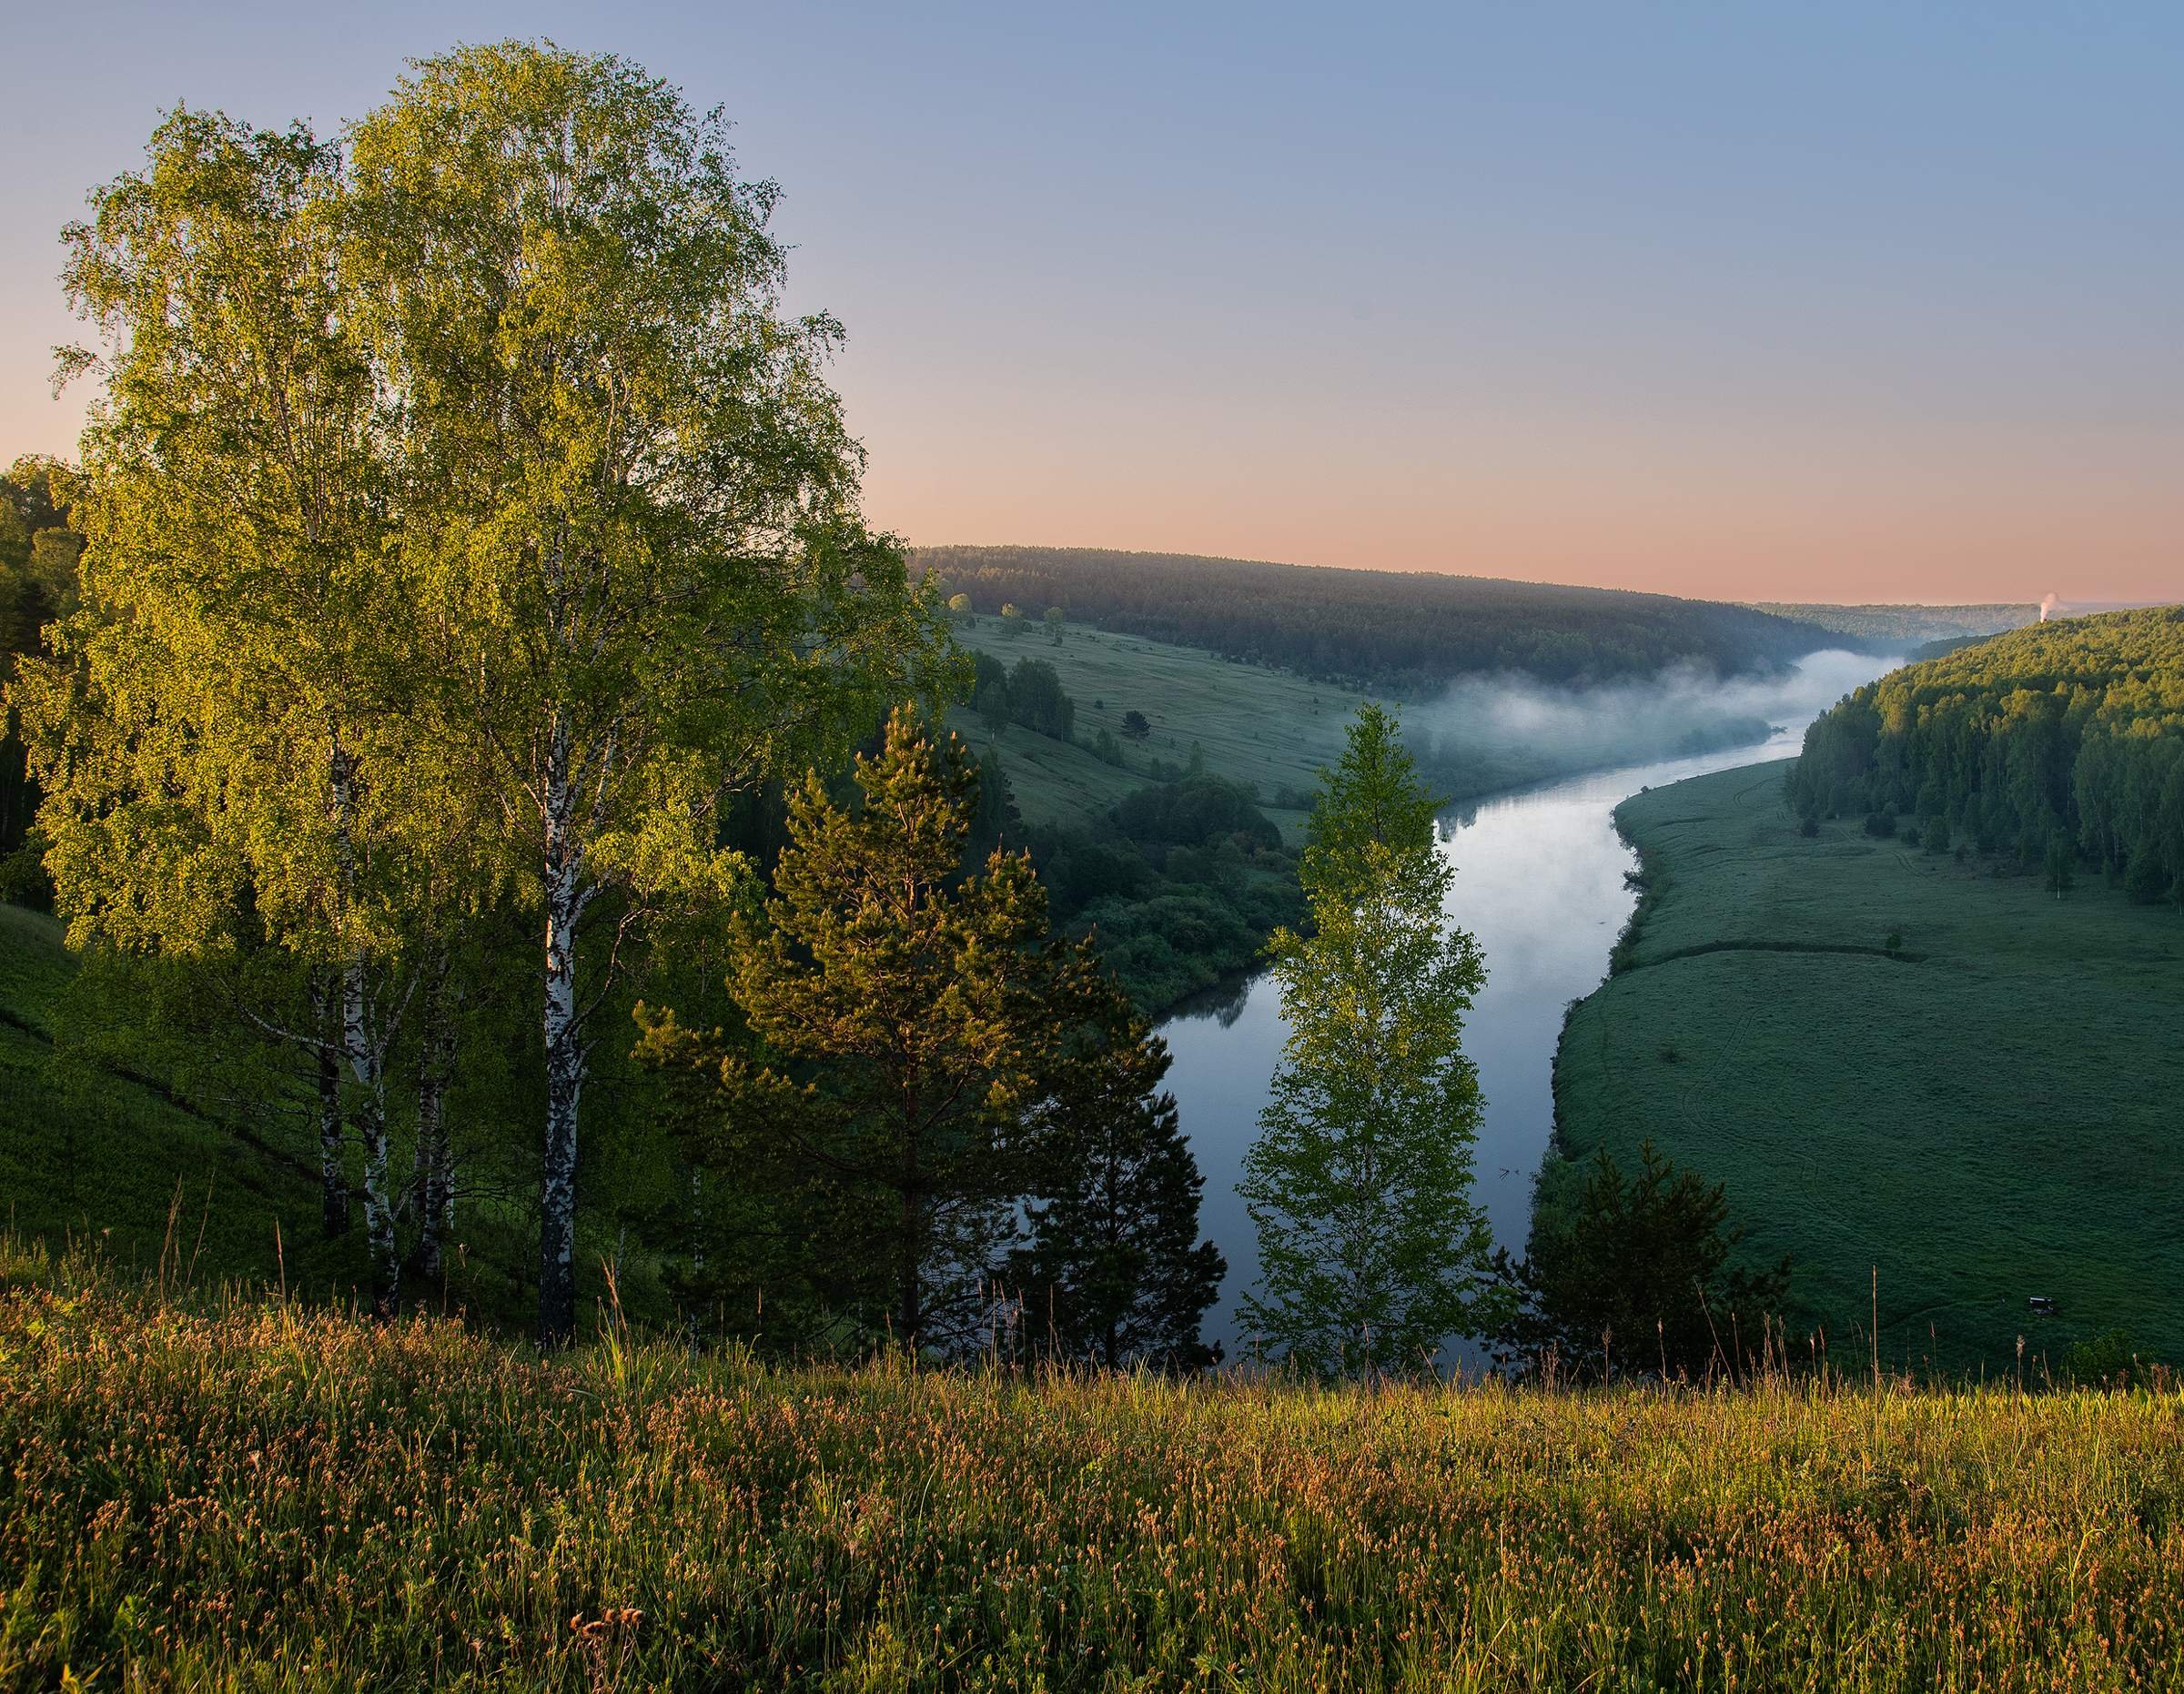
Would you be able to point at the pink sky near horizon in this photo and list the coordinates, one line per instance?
(1861, 304)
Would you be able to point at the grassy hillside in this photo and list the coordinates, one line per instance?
(1272, 729)
(252, 1494)
(1986, 1113)
(1269, 728)
(113, 1152)
(90, 1152)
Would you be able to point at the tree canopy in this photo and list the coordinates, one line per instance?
(2063, 737)
(1372, 1251)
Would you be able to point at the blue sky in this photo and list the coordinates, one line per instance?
(1763, 300)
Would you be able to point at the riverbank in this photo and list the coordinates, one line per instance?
(235, 1492)
(1901, 1065)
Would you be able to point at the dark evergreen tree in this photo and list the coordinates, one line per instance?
(903, 1020)
(1633, 1276)
(1114, 1271)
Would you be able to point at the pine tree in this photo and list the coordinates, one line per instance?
(905, 1017)
(1115, 1271)
(1372, 1249)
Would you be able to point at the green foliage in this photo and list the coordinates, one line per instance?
(39, 583)
(2064, 736)
(2060, 861)
(1631, 1274)
(2110, 1359)
(1192, 812)
(1037, 701)
(1371, 1250)
(1114, 1271)
(905, 1020)
(1133, 725)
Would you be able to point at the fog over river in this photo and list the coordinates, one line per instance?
(1540, 881)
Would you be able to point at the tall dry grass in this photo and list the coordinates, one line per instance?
(238, 1493)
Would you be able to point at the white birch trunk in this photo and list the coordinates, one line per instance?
(365, 1064)
(565, 901)
(370, 1116)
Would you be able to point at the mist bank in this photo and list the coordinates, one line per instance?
(1483, 733)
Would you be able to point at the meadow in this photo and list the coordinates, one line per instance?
(1905, 1067)
(1271, 729)
(222, 1490)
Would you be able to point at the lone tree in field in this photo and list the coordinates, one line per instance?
(1371, 1251)
(906, 1019)
(630, 525)
(1115, 1271)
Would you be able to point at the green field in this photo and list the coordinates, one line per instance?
(1991, 1113)
(1268, 728)
(1271, 729)
(227, 1492)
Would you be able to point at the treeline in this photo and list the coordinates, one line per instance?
(2060, 742)
(1180, 884)
(1391, 631)
(1890, 628)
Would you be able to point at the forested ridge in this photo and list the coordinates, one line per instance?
(1395, 631)
(2063, 740)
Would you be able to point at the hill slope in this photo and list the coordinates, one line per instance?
(1394, 631)
(88, 1151)
(252, 1495)
(1987, 1113)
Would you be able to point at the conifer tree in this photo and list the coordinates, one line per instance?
(1373, 1252)
(904, 1016)
(1115, 1271)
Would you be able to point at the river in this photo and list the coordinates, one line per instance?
(1539, 882)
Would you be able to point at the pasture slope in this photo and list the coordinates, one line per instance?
(1989, 1112)
(1272, 729)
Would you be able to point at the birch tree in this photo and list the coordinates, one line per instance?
(213, 731)
(634, 528)
(1371, 1250)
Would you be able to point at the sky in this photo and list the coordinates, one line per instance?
(1824, 301)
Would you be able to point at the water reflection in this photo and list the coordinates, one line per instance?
(1540, 881)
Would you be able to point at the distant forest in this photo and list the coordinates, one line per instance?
(2062, 742)
(1887, 628)
(1395, 633)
